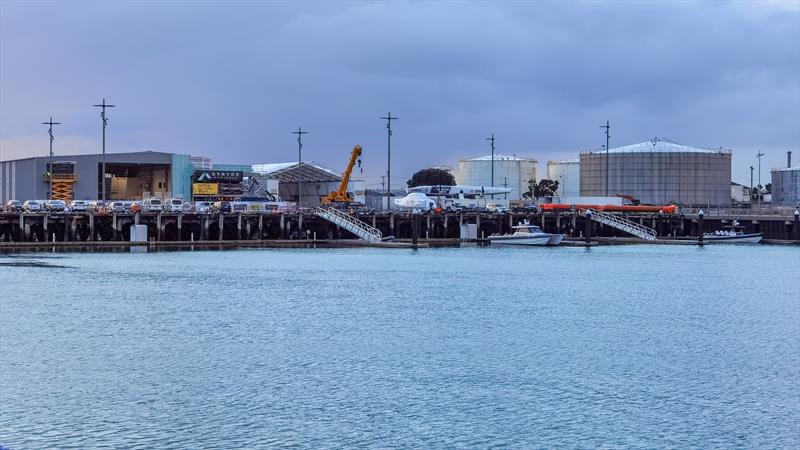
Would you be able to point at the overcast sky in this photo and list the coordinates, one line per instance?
(232, 80)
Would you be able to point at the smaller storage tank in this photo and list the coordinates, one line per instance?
(786, 186)
(568, 174)
(510, 171)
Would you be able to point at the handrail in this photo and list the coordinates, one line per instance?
(350, 223)
(623, 224)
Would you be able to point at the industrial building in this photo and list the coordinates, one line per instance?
(568, 174)
(659, 172)
(311, 180)
(128, 176)
(786, 186)
(510, 171)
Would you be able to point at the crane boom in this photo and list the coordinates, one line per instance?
(340, 195)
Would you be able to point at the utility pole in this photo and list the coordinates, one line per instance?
(751, 181)
(50, 159)
(388, 118)
(383, 187)
(607, 126)
(491, 141)
(103, 116)
(759, 155)
(299, 134)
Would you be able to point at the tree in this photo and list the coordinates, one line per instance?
(544, 188)
(432, 177)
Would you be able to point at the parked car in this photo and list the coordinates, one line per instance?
(78, 205)
(223, 207)
(497, 207)
(13, 206)
(55, 205)
(203, 207)
(152, 204)
(31, 206)
(533, 209)
(116, 206)
(239, 206)
(175, 205)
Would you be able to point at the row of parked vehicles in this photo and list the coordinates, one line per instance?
(175, 205)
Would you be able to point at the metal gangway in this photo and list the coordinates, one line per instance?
(349, 223)
(621, 223)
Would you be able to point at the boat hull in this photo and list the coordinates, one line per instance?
(752, 238)
(554, 239)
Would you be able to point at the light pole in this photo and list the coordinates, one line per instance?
(607, 126)
(299, 134)
(759, 155)
(491, 140)
(388, 118)
(103, 107)
(50, 159)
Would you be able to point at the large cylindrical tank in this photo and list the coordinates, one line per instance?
(568, 175)
(659, 172)
(512, 172)
(786, 186)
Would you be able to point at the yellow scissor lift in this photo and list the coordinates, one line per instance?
(63, 180)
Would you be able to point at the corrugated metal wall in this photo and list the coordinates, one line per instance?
(786, 187)
(688, 178)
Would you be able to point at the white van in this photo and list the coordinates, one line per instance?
(175, 205)
(152, 204)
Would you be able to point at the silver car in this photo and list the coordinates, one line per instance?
(31, 206)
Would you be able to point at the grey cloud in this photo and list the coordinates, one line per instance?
(230, 80)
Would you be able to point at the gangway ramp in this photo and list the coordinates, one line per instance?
(350, 223)
(622, 224)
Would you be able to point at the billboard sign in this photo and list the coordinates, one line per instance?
(205, 189)
(216, 176)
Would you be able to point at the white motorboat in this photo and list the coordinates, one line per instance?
(732, 234)
(526, 234)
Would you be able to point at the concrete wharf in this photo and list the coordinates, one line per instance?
(171, 227)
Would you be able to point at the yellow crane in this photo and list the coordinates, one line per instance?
(340, 195)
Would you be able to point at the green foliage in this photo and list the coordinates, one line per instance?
(544, 188)
(431, 177)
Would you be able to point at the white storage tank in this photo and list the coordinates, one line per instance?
(510, 171)
(568, 174)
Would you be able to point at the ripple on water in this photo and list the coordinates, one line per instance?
(649, 346)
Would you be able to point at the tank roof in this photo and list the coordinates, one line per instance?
(564, 161)
(660, 145)
(786, 169)
(499, 157)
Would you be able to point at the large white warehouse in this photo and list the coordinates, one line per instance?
(568, 175)
(510, 171)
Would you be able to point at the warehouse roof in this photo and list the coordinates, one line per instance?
(660, 145)
(293, 172)
(500, 157)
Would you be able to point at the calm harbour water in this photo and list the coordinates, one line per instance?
(624, 346)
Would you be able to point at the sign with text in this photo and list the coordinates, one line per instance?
(205, 189)
(216, 176)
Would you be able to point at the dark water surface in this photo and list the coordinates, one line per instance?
(624, 346)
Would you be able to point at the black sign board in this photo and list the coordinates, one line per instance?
(230, 189)
(216, 176)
